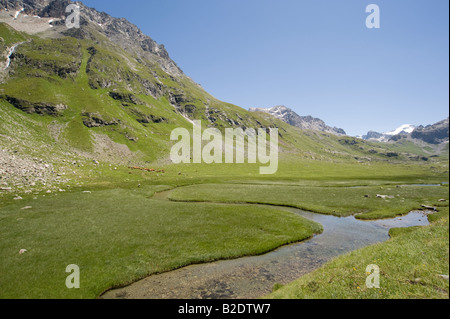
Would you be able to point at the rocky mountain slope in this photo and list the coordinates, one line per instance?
(34, 7)
(304, 122)
(120, 31)
(437, 133)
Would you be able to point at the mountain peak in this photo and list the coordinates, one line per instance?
(432, 134)
(404, 129)
(386, 136)
(288, 116)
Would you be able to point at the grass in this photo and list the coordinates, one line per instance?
(338, 201)
(9, 36)
(118, 236)
(410, 267)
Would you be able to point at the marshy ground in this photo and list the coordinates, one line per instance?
(121, 235)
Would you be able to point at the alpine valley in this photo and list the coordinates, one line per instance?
(86, 116)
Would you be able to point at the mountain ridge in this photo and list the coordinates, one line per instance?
(435, 134)
(386, 136)
(90, 95)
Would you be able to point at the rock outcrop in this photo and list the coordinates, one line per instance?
(35, 107)
(97, 120)
(433, 134)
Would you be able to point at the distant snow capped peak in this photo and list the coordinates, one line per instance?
(404, 129)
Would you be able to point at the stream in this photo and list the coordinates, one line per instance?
(10, 52)
(253, 277)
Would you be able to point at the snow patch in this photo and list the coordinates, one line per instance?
(407, 128)
(18, 13)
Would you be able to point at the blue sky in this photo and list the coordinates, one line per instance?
(316, 57)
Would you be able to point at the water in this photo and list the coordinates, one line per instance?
(406, 185)
(253, 277)
(11, 51)
(423, 185)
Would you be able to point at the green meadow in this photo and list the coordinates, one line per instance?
(339, 201)
(120, 232)
(121, 235)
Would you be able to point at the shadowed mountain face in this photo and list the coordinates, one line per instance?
(304, 122)
(434, 134)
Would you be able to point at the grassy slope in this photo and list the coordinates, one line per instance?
(36, 77)
(9, 35)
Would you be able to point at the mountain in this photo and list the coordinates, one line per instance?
(110, 55)
(433, 134)
(34, 7)
(304, 122)
(79, 102)
(385, 137)
(120, 31)
(404, 129)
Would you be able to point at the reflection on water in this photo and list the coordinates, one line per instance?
(253, 277)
